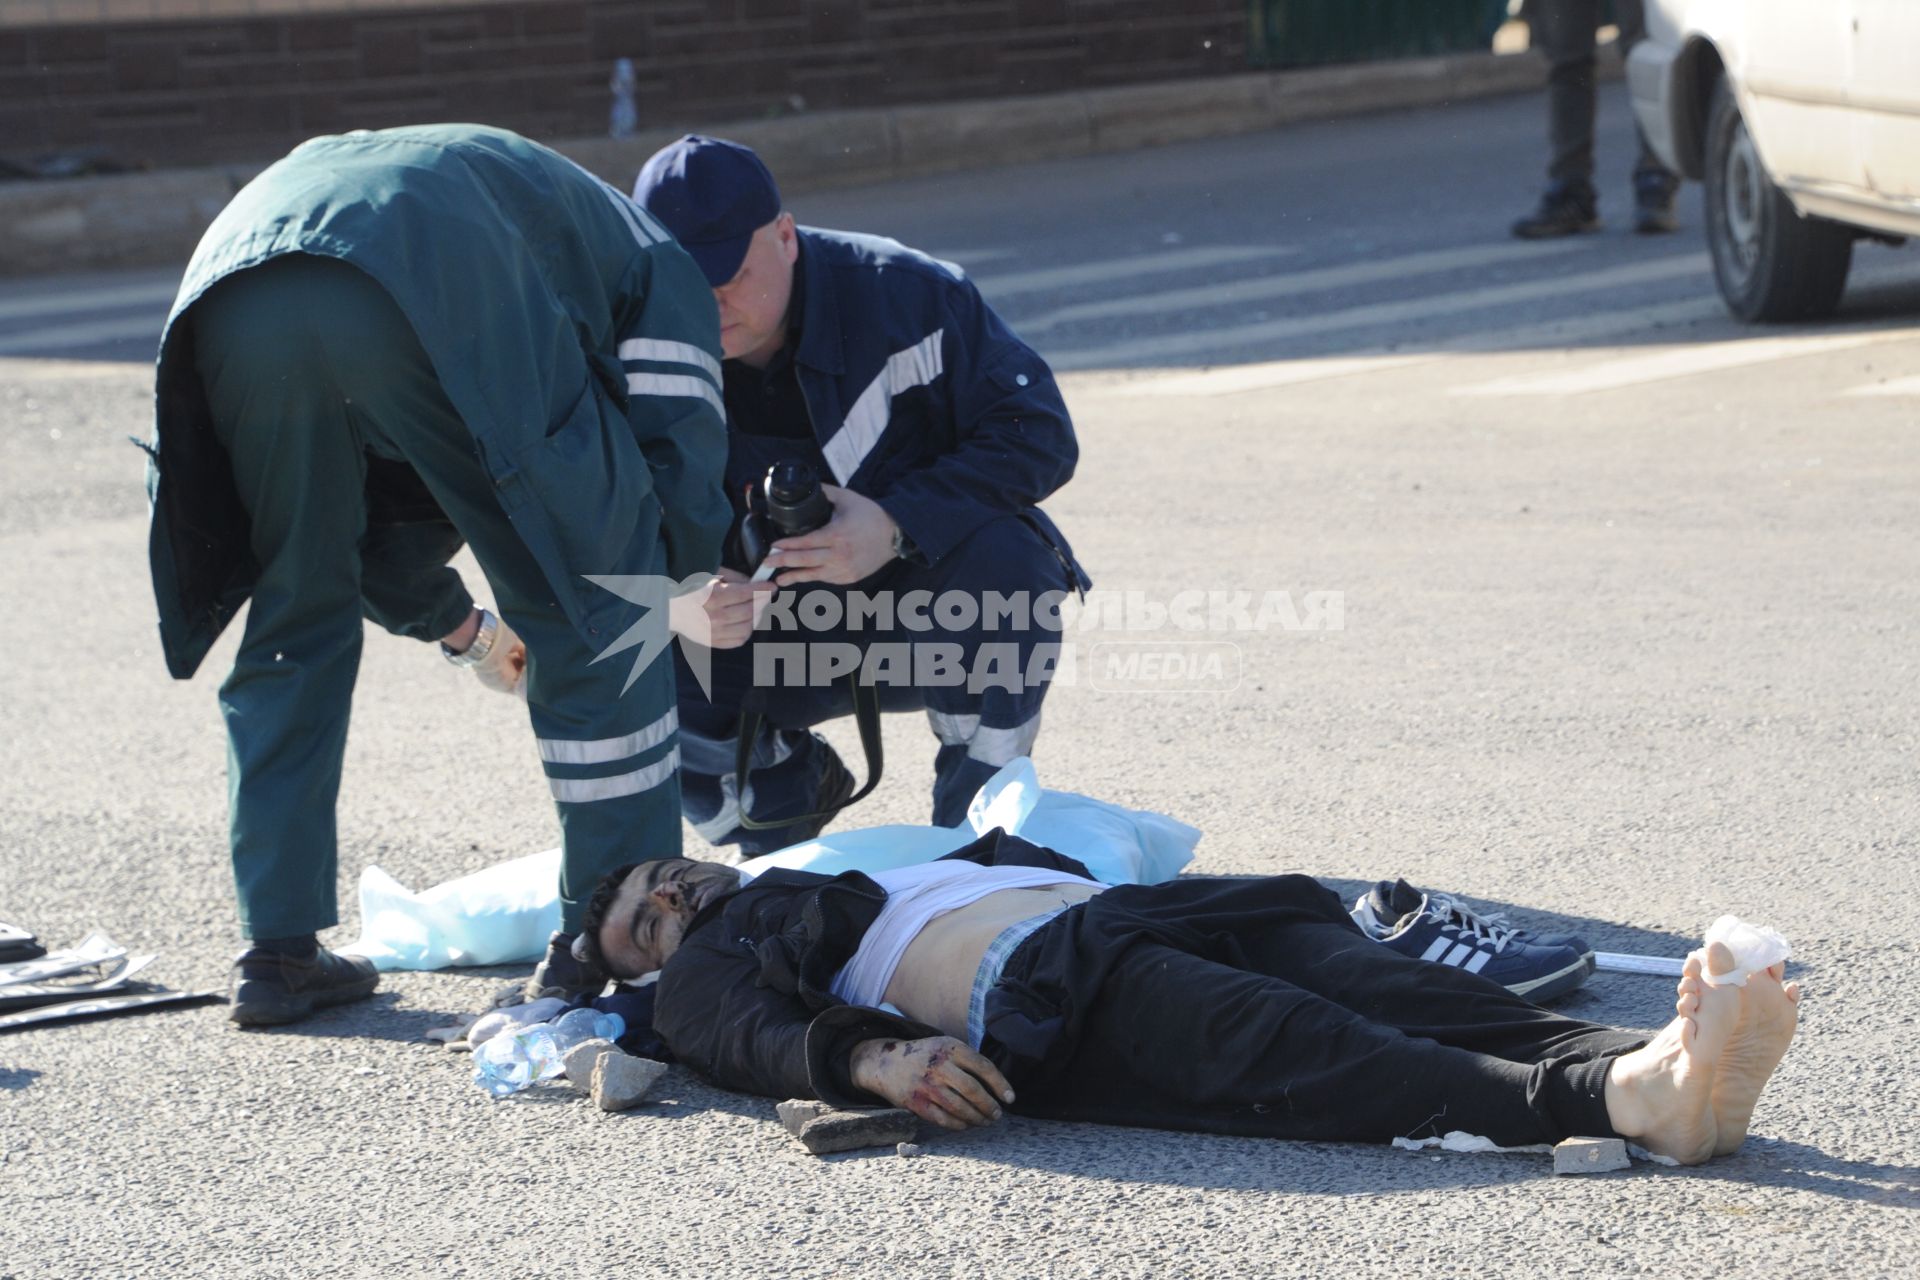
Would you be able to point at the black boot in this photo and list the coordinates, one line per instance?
(275, 983)
(1567, 208)
(1653, 204)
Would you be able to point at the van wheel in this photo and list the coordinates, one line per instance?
(1771, 263)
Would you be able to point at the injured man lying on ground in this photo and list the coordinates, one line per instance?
(1001, 978)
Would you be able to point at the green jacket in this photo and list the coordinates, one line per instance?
(577, 341)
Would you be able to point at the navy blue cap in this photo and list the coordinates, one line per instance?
(713, 195)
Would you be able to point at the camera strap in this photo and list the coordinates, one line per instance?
(866, 715)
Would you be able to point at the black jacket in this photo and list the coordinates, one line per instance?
(745, 1000)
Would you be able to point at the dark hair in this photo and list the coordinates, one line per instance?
(596, 914)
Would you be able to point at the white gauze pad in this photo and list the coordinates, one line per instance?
(1753, 947)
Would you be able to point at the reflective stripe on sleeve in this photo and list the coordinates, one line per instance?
(917, 366)
(670, 353)
(676, 384)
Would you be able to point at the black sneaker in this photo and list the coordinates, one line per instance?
(1433, 926)
(561, 973)
(1653, 206)
(271, 988)
(1564, 211)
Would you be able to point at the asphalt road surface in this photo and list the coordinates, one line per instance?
(1630, 637)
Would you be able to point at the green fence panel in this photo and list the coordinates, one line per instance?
(1294, 33)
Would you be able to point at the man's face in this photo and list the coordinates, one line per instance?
(753, 305)
(650, 913)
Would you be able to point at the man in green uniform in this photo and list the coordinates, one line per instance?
(390, 343)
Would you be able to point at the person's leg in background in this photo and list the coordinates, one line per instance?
(990, 715)
(793, 771)
(981, 723)
(298, 462)
(1654, 185)
(610, 757)
(1565, 33)
(608, 744)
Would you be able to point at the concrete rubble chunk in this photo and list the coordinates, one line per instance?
(908, 1149)
(621, 1080)
(579, 1061)
(795, 1112)
(1590, 1155)
(850, 1130)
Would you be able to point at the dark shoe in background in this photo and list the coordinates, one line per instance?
(1565, 210)
(1653, 206)
(271, 988)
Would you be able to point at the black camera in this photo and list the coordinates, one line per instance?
(788, 503)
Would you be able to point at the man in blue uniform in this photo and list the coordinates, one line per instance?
(387, 344)
(938, 432)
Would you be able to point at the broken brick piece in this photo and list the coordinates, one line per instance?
(795, 1112)
(580, 1062)
(1590, 1155)
(850, 1130)
(621, 1081)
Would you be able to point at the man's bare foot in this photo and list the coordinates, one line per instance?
(1769, 1012)
(1661, 1095)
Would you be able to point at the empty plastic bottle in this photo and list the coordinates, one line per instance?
(576, 1025)
(624, 118)
(516, 1059)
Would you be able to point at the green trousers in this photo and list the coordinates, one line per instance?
(361, 481)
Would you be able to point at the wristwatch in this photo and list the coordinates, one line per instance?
(482, 645)
(903, 547)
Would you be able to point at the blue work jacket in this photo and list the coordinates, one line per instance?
(922, 398)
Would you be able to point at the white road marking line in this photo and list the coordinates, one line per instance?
(1680, 362)
(1293, 284)
(1169, 346)
(1016, 283)
(134, 295)
(42, 370)
(1234, 379)
(86, 334)
(1891, 387)
(968, 257)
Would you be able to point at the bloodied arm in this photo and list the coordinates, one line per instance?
(938, 1078)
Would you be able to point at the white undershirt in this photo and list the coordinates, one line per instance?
(915, 895)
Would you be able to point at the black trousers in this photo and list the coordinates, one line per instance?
(1258, 1007)
(1565, 31)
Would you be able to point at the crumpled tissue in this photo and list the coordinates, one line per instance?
(1754, 948)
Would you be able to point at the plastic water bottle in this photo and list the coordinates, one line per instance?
(578, 1025)
(625, 116)
(517, 1059)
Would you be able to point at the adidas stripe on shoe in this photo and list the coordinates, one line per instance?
(1438, 929)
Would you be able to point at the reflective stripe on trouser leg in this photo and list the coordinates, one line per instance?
(612, 760)
(970, 754)
(984, 743)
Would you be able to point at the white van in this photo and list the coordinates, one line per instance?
(1803, 119)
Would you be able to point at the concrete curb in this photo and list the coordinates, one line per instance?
(156, 218)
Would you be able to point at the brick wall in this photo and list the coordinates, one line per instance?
(194, 88)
